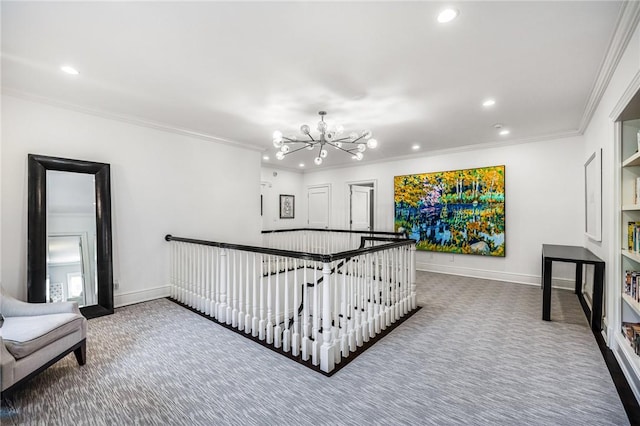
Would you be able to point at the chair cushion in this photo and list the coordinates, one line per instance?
(24, 335)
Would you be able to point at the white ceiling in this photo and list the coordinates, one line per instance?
(237, 71)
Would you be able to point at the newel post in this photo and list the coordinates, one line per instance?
(327, 357)
(412, 274)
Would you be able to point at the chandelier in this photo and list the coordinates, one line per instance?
(355, 144)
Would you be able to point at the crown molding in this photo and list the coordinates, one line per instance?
(127, 119)
(456, 150)
(625, 27)
(626, 97)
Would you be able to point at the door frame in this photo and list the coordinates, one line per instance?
(374, 201)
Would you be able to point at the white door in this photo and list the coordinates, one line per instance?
(318, 206)
(360, 208)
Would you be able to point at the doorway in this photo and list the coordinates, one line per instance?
(361, 206)
(318, 206)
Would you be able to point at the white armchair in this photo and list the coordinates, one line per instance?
(35, 336)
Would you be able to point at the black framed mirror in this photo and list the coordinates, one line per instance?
(69, 233)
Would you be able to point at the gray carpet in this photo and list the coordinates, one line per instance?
(476, 354)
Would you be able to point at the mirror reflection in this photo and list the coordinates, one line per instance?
(71, 238)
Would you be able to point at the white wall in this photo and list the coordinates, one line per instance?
(275, 182)
(544, 204)
(161, 183)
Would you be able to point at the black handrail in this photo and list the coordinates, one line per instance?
(324, 258)
(348, 231)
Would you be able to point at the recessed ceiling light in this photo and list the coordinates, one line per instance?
(447, 15)
(265, 157)
(504, 132)
(488, 103)
(301, 164)
(69, 70)
(415, 147)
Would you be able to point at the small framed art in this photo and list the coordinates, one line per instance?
(287, 206)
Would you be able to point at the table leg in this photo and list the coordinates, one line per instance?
(596, 309)
(578, 277)
(546, 289)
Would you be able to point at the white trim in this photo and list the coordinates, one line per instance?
(137, 296)
(130, 120)
(626, 97)
(512, 277)
(625, 27)
(454, 150)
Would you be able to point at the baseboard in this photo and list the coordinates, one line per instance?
(131, 297)
(512, 277)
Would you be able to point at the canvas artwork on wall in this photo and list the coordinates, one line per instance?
(457, 211)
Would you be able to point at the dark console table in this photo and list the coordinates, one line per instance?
(580, 256)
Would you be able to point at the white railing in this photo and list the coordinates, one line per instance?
(319, 307)
(320, 241)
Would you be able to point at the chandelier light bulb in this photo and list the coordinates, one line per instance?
(277, 135)
(362, 147)
(372, 143)
(337, 145)
(366, 134)
(318, 161)
(322, 126)
(353, 136)
(330, 136)
(305, 129)
(279, 155)
(277, 143)
(310, 146)
(285, 148)
(339, 129)
(359, 156)
(324, 153)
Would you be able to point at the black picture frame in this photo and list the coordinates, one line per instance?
(37, 229)
(287, 206)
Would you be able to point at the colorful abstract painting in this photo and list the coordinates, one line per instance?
(458, 211)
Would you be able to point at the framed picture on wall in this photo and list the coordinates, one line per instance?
(287, 206)
(593, 196)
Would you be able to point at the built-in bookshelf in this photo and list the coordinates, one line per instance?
(628, 334)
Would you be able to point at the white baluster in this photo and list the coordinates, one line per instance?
(224, 282)
(277, 338)
(247, 293)
(241, 286)
(217, 273)
(269, 305)
(255, 297)
(344, 343)
(306, 342)
(232, 286)
(295, 337)
(359, 303)
(286, 334)
(315, 331)
(412, 272)
(262, 323)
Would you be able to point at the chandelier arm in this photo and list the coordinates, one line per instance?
(287, 140)
(356, 140)
(311, 137)
(342, 149)
(345, 139)
(296, 150)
